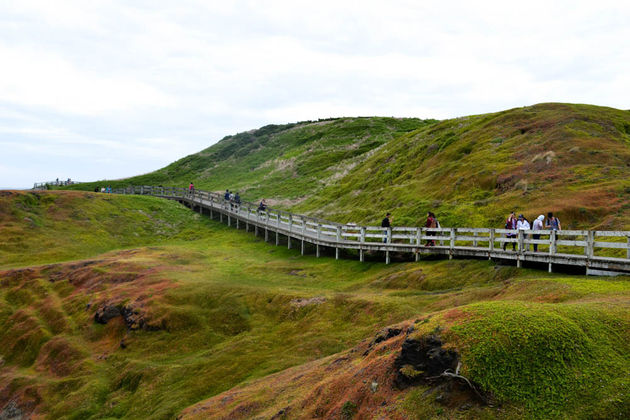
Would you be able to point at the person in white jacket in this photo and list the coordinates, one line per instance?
(523, 224)
(538, 225)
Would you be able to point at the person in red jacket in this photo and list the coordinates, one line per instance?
(510, 223)
(431, 223)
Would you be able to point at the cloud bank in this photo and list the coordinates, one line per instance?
(107, 89)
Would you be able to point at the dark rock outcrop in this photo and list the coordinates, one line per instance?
(133, 316)
(423, 358)
(106, 313)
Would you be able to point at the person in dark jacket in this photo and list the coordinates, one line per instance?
(553, 223)
(386, 223)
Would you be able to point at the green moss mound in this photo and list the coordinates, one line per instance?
(556, 359)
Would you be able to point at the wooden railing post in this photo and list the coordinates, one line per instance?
(589, 248)
(521, 248)
(362, 237)
(389, 235)
(451, 250)
(491, 243)
(552, 242)
(339, 239)
(290, 230)
(553, 237)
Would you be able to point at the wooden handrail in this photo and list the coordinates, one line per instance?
(555, 245)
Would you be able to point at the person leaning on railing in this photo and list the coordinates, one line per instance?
(553, 223)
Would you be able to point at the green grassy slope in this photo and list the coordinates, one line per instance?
(285, 162)
(567, 158)
(570, 159)
(43, 227)
(221, 308)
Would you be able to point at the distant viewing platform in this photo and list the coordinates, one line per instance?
(55, 183)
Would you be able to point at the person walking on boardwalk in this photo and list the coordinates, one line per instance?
(191, 188)
(553, 223)
(538, 225)
(431, 223)
(237, 200)
(386, 223)
(510, 223)
(231, 198)
(263, 205)
(226, 199)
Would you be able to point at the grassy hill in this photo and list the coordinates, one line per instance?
(284, 162)
(215, 323)
(45, 227)
(567, 158)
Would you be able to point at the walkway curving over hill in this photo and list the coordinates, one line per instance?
(599, 252)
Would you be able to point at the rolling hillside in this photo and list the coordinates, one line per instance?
(135, 307)
(570, 159)
(283, 162)
(210, 322)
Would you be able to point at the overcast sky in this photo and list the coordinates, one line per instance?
(109, 89)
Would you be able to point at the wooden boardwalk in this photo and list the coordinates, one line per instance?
(598, 252)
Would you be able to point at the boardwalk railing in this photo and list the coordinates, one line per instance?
(598, 252)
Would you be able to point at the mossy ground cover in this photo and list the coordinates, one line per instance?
(222, 308)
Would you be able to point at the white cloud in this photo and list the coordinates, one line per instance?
(39, 78)
(149, 82)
